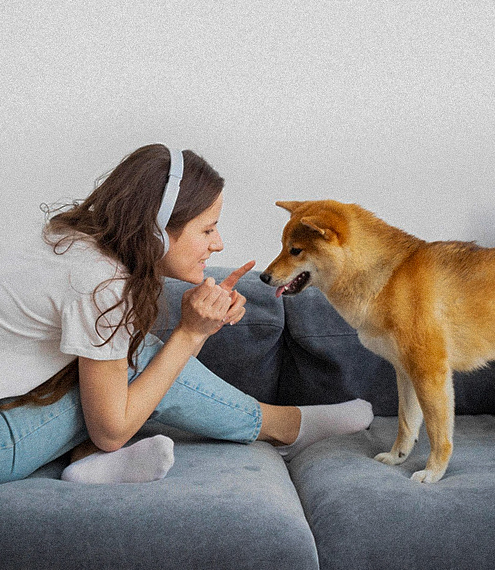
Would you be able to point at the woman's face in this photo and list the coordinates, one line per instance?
(189, 250)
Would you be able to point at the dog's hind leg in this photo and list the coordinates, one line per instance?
(410, 419)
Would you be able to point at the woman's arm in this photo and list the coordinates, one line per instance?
(113, 410)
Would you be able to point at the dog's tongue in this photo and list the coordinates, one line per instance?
(279, 291)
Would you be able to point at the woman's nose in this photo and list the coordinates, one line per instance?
(217, 244)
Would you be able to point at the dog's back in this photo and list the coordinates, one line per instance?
(452, 284)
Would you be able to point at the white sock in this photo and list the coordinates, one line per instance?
(146, 460)
(321, 422)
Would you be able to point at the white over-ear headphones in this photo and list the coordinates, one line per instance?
(170, 194)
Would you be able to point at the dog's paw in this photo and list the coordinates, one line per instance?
(426, 476)
(390, 458)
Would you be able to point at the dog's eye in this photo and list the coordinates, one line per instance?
(295, 251)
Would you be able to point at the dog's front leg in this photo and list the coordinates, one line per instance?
(410, 419)
(437, 401)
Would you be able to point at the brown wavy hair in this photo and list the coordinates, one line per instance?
(120, 216)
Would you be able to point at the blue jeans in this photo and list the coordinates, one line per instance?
(198, 401)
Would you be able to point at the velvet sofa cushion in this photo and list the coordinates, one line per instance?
(222, 506)
(366, 515)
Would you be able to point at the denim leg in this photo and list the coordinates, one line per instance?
(198, 401)
(31, 436)
(201, 402)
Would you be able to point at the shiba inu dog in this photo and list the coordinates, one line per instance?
(426, 307)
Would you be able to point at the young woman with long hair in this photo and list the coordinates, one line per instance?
(77, 360)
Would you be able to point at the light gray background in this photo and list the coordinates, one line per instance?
(387, 103)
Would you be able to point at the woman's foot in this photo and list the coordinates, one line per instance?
(146, 460)
(317, 423)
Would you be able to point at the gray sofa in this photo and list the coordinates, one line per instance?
(232, 506)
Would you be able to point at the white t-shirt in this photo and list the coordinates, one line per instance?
(48, 313)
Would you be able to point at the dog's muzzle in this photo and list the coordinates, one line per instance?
(293, 287)
(266, 278)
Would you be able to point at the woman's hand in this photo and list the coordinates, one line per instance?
(236, 309)
(204, 309)
(207, 307)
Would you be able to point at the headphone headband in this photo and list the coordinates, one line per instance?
(170, 194)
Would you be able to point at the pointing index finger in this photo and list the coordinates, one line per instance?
(231, 281)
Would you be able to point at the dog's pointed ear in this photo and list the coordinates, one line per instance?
(289, 206)
(315, 224)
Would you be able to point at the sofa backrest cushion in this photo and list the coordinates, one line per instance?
(298, 350)
(249, 354)
(326, 363)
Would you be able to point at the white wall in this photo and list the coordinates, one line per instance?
(387, 103)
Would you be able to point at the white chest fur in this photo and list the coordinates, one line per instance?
(383, 346)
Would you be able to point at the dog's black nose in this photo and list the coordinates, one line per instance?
(266, 278)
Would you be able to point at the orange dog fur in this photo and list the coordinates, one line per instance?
(426, 307)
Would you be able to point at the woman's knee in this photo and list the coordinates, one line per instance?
(145, 354)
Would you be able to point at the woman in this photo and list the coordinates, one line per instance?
(76, 356)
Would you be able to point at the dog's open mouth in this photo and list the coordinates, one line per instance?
(295, 286)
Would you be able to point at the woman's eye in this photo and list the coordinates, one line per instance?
(208, 232)
(295, 251)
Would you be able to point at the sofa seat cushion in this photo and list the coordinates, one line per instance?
(221, 506)
(365, 514)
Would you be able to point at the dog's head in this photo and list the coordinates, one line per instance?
(313, 246)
